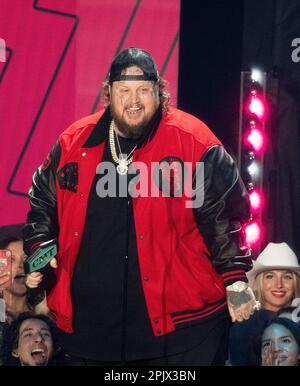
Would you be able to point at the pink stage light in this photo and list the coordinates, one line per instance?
(253, 233)
(256, 139)
(256, 105)
(256, 200)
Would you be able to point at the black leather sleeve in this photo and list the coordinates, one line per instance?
(42, 219)
(225, 209)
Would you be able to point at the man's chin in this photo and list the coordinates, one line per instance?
(35, 363)
(41, 364)
(131, 126)
(132, 130)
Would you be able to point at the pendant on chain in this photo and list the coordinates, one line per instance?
(122, 168)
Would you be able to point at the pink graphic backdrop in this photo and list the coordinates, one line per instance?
(58, 54)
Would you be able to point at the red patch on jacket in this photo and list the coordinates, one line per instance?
(169, 176)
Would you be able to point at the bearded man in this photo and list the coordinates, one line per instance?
(141, 273)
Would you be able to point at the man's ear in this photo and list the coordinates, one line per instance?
(15, 353)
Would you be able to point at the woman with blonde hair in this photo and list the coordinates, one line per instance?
(275, 281)
(275, 277)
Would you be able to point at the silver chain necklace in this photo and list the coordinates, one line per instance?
(122, 161)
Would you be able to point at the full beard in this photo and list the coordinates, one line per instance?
(131, 131)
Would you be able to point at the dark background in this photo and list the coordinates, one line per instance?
(218, 40)
(210, 61)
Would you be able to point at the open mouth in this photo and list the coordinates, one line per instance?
(133, 111)
(39, 355)
(20, 279)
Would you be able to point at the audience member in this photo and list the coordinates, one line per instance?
(275, 281)
(17, 297)
(274, 277)
(280, 343)
(30, 340)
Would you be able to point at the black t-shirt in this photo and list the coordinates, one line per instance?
(111, 321)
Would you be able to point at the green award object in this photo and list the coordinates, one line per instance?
(41, 256)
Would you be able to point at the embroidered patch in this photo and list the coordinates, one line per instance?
(68, 177)
(169, 176)
(47, 162)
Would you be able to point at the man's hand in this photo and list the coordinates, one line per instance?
(241, 301)
(34, 279)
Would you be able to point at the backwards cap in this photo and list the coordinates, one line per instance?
(133, 57)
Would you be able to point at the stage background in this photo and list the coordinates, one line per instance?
(271, 26)
(218, 40)
(58, 54)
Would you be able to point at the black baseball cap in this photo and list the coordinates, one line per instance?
(133, 57)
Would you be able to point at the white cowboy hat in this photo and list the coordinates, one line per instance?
(274, 256)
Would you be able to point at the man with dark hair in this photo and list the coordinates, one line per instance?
(30, 340)
(147, 241)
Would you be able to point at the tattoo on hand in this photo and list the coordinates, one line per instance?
(237, 299)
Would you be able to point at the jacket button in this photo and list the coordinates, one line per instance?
(83, 154)
(141, 237)
(156, 321)
(159, 331)
(81, 194)
(76, 234)
(146, 278)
